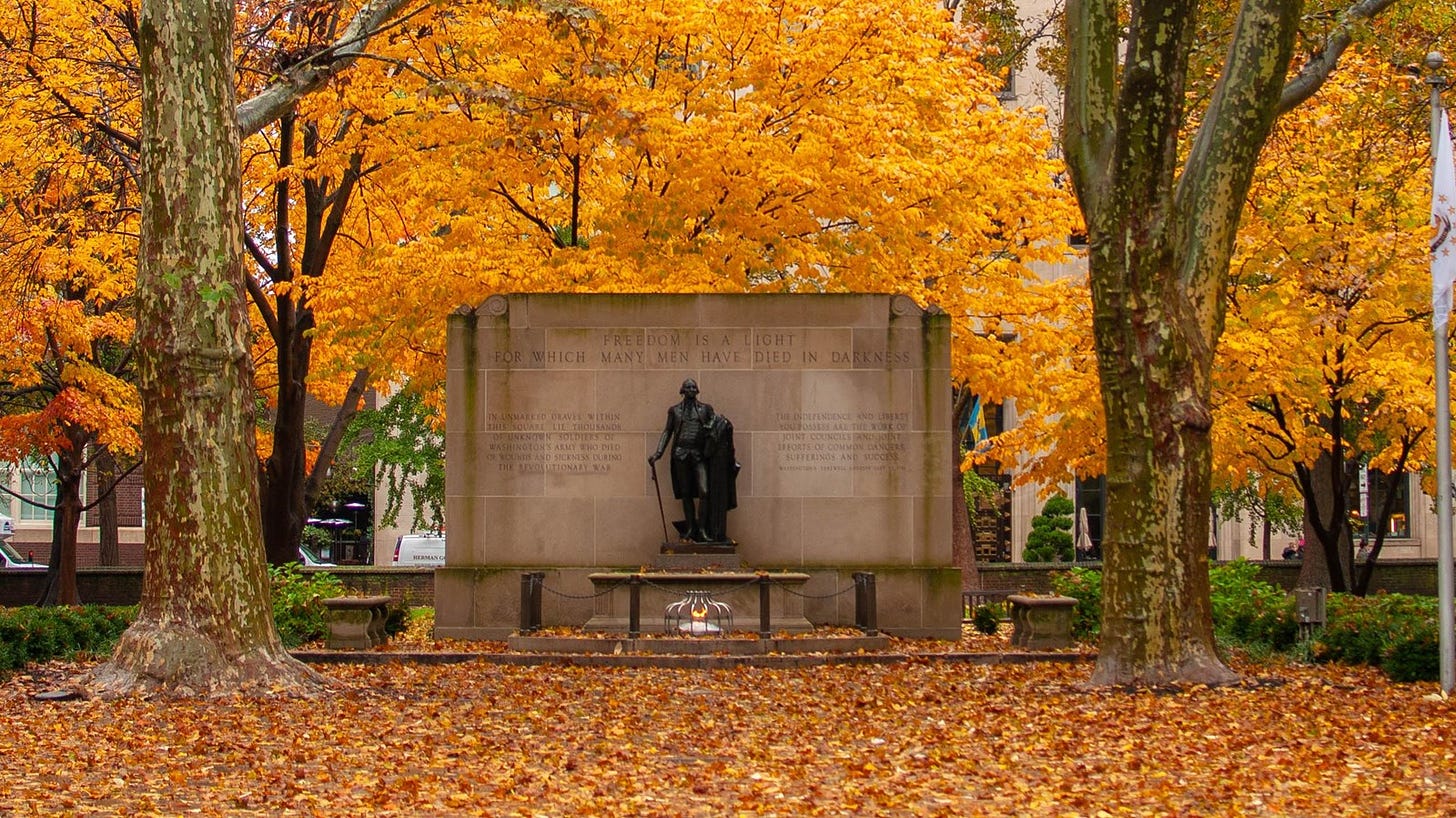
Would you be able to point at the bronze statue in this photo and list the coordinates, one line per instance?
(703, 467)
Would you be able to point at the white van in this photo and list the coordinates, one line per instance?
(416, 550)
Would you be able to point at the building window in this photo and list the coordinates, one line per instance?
(37, 490)
(1091, 504)
(1374, 488)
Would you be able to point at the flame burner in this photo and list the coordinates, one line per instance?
(698, 614)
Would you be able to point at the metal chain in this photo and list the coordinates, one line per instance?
(610, 588)
(803, 595)
(649, 583)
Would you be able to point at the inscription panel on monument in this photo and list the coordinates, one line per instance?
(841, 441)
(606, 348)
(577, 446)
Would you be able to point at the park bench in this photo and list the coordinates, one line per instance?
(356, 622)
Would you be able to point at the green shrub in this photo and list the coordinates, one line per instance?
(297, 607)
(1415, 658)
(1050, 539)
(1250, 612)
(1390, 631)
(1085, 586)
(40, 634)
(985, 619)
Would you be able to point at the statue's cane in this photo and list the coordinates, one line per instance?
(660, 509)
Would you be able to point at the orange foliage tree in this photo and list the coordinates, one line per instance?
(1324, 365)
(68, 223)
(762, 146)
(746, 146)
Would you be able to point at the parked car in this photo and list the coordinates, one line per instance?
(10, 558)
(312, 560)
(7, 527)
(419, 550)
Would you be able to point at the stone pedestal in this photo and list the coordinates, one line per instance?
(1041, 622)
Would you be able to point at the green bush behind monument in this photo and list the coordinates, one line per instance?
(1395, 632)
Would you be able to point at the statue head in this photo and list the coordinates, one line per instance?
(689, 388)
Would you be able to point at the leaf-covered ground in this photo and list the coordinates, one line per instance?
(927, 737)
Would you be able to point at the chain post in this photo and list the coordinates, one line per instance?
(865, 617)
(765, 629)
(634, 606)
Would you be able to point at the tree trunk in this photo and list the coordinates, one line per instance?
(60, 586)
(109, 552)
(1161, 218)
(205, 625)
(962, 541)
(284, 506)
(1157, 624)
(1327, 549)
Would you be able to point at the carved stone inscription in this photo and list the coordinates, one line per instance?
(841, 441)
(680, 348)
(555, 442)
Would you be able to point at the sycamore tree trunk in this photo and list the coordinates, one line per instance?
(1159, 249)
(1161, 226)
(205, 622)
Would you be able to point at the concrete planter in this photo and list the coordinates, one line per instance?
(1041, 622)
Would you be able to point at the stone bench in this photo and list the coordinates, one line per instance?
(1041, 622)
(356, 622)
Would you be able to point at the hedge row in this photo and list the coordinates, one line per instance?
(1394, 632)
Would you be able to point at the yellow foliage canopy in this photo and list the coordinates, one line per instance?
(722, 146)
(1329, 310)
(67, 234)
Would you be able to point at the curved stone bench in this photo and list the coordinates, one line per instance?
(356, 622)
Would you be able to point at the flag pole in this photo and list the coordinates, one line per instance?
(1440, 317)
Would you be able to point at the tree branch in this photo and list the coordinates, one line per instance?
(1312, 75)
(311, 74)
(1088, 109)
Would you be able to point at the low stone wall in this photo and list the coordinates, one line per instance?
(1415, 576)
(123, 586)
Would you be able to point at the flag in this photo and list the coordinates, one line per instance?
(976, 424)
(1443, 216)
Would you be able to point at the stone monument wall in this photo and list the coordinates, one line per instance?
(840, 409)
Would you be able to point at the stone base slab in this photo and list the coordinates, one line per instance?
(696, 646)
(484, 602)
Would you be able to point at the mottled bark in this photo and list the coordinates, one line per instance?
(1161, 235)
(1160, 238)
(205, 622)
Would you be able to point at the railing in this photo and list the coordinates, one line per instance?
(971, 600)
(865, 602)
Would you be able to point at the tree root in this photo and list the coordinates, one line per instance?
(155, 661)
